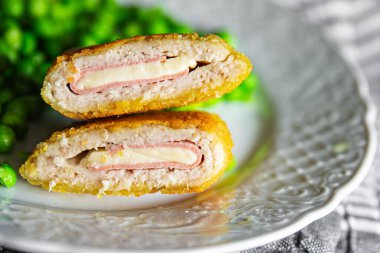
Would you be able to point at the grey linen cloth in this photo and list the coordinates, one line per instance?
(354, 26)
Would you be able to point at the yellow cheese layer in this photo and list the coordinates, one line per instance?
(134, 72)
(98, 158)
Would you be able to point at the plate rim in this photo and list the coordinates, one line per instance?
(297, 224)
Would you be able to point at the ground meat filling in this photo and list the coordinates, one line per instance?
(173, 155)
(148, 70)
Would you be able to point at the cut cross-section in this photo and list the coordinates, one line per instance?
(150, 70)
(176, 155)
(170, 152)
(141, 74)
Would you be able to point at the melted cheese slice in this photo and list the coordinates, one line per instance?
(99, 158)
(130, 73)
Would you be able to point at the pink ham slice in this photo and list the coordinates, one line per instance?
(73, 87)
(157, 165)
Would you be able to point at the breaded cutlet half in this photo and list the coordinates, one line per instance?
(60, 163)
(143, 73)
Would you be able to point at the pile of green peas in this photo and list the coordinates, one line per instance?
(8, 176)
(34, 32)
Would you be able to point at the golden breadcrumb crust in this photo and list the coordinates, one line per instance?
(207, 122)
(194, 95)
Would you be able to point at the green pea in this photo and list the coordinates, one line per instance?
(133, 13)
(133, 28)
(142, 14)
(249, 83)
(27, 68)
(236, 95)
(180, 28)
(109, 5)
(9, 54)
(101, 30)
(7, 139)
(15, 121)
(90, 5)
(13, 8)
(8, 176)
(5, 95)
(38, 58)
(12, 55)
(155, 12)
(157, 26)
(28, 43)
(73, 6)
(70, 26)
(13, 36)
(124, 15)
(88, 40)
(108, 18)
(38, 8)
(59, 11)
(18, 107)
(47, 28)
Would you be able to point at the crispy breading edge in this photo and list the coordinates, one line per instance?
(207, 122)
(137, 105)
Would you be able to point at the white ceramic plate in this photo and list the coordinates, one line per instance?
(300, 150)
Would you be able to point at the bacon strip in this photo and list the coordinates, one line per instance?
(176, 144)
(74, 89)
